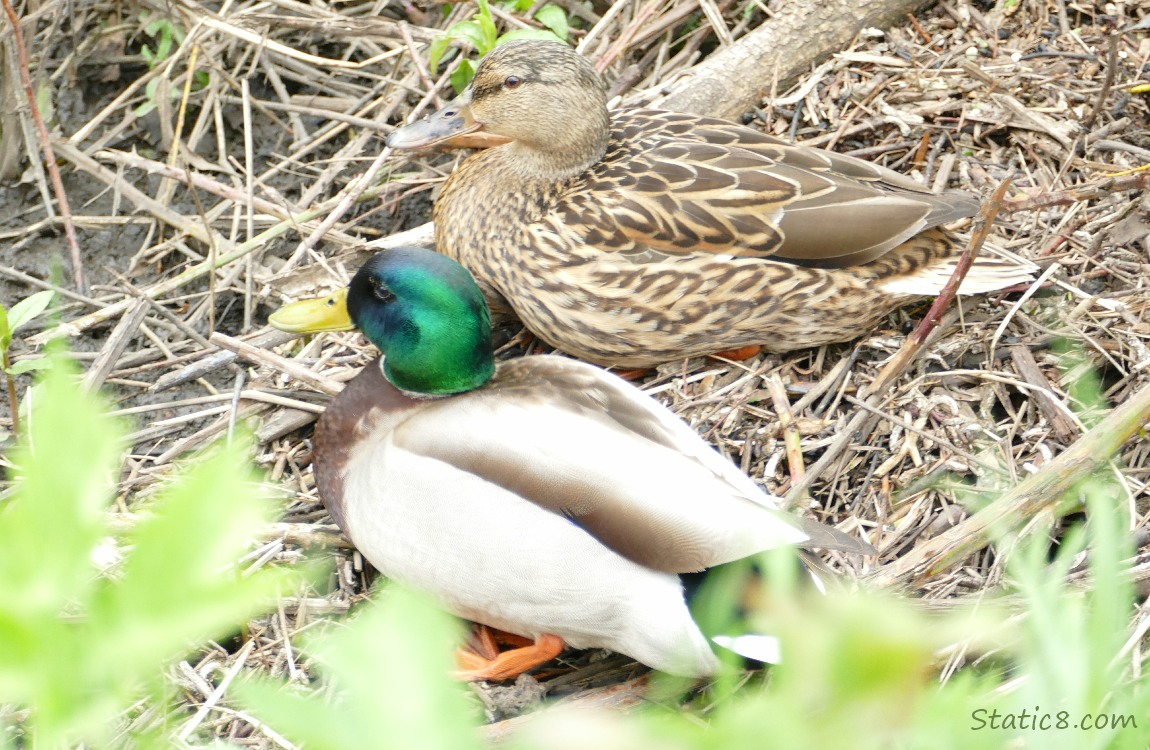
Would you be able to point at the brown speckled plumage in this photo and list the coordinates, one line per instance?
(653, 235)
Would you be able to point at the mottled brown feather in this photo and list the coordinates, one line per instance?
(647, 235)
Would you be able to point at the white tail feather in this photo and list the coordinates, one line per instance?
(764, 648)
(988, 274)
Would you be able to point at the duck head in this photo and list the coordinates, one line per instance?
(541, 96)
(421, 309)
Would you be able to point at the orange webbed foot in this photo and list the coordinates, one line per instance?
(509, 664)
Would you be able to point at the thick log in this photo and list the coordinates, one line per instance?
(734, 80)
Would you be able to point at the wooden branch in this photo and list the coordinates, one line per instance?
(276, 362)
(734, 79)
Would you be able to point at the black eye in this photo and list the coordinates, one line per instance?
(512, 82)
(381, 292)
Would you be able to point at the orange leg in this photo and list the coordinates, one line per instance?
(481, 644)
(738, 355)
(484, 641)
(509, 664)
(633, 375)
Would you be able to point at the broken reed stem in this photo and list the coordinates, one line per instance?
(792, 440)
(46, 148)
(1092, 191)
(1038, 492)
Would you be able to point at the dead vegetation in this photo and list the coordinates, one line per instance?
(254, 147)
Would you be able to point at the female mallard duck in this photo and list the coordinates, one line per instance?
(640, 236)
(545, 497)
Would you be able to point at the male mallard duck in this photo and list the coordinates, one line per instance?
(633, 237)
(545, 497)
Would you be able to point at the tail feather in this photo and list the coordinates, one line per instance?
(757, 646)
(988, 274)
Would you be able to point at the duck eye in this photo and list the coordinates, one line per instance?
(381, 292)
(512, 82)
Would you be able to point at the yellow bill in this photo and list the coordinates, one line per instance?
(314, 315)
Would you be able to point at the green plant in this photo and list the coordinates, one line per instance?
(481, 33)
(167, 36)
(83, 642)
(22, 313)
(390, 669)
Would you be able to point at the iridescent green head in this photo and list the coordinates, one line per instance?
(423, 310)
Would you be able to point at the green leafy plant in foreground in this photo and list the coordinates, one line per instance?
(22, 313)
(481, 33)
(80, 644)
(390, 666)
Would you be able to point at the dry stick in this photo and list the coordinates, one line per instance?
(1107, 82)
(117, 342)
(914, 344)
(796, 37)
(417, 59)
(353, 194)
(83, 323)
(863, 421)
(1036, 493)
(792, 440)
(275, 361)
(46, 147)
(1091, 191)
(201, 181)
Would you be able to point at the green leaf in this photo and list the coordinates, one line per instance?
(470, 31)
(64, 477)
(28, 365)
(462, 76)
(205, 522)
(49, 529)
(81, 646)
(391, 666)
(436, 51)
(29, 308)
(487, 24)
(511, 36)
(554, 18)
(5, 330)
(44, 102)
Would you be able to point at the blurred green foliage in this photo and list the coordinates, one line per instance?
(860, 672)
(390, 667)
(88, 622)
